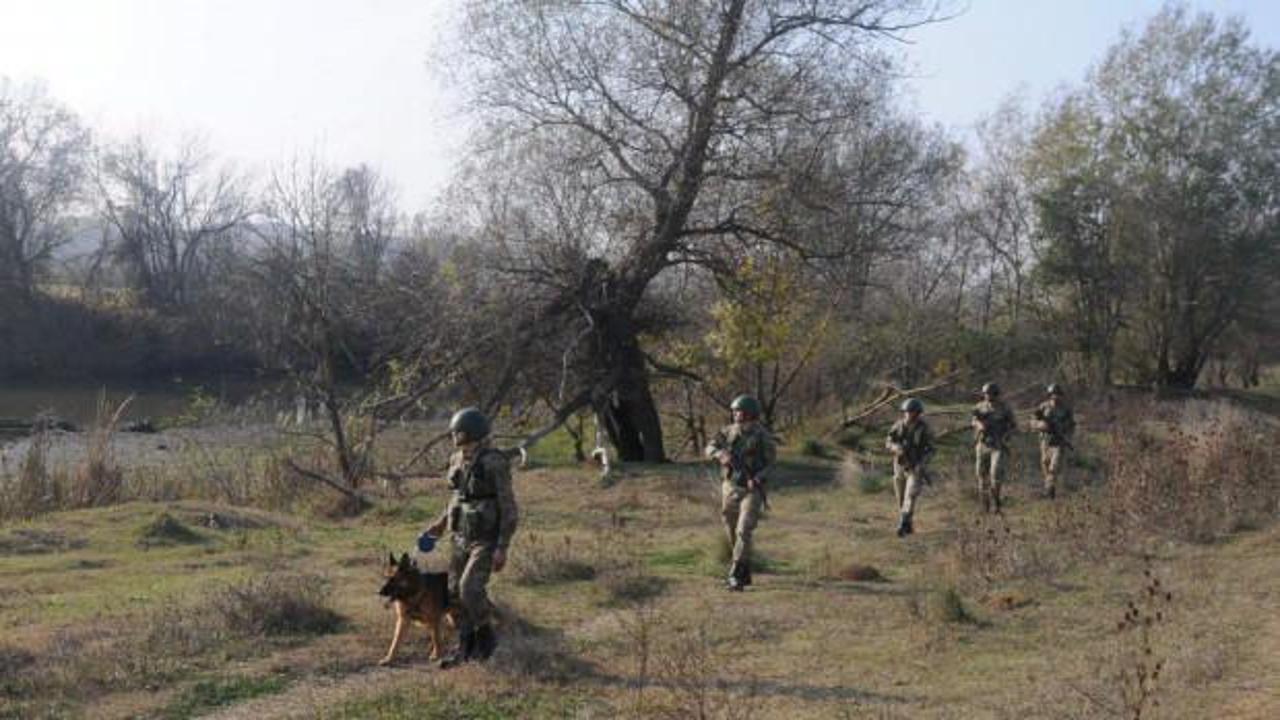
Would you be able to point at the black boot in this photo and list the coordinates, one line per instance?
(464, 652)
(986, 502)
(734, 581)
(745, 577)
(904, 525)
(486, 641)
(995, 500)
(1052, 493)
(908, 520)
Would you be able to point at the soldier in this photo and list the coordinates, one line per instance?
(993, 423)
(911, 444)
(482, 516)
(1056, 424)
(746, 450)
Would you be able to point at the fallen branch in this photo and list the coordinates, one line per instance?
(889, 396)
(321, 478)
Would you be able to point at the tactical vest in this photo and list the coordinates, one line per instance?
(749, 453)
(1057, 419)
(475, 493)
(999, 422)
(912, 440)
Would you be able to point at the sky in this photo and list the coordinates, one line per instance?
(261, 81)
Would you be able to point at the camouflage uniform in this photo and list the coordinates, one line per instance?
(1056, 424)
(993, 424)
(911, 444)
(754, 452)
(482, 516)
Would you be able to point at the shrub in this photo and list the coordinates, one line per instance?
(277, 604)
(165, 529)
(947, 606)
(546, 563)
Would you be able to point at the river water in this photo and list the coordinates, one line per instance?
(79, 402)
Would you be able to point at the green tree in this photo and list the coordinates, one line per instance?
(1157, 193)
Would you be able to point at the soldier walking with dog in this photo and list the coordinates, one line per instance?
(1057, 425)
(911, 444)
(482, 516)
(993, 423)
(746, 452)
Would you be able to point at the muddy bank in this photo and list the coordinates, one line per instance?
(134, 450)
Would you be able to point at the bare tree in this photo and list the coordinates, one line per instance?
(167, 216)
(674, 134)
(43, 154)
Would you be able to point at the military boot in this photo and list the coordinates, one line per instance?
(1052, 492)
(986, 501)
(746, 573)
(734, 582)
(995, 500)
(904, 525)
(486, 641)
(465, 650)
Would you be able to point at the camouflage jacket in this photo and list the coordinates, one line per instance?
(483, 506)
(753, 448)
(911, 443)
(1058, 423)
(993, 423)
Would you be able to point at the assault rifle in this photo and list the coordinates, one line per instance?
(741, 477)
(1050, 429)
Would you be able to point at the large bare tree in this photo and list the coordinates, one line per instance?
(167, 215)
(43, 155)
(666, 134)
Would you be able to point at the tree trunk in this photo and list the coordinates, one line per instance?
(630, 414)
(632, 421)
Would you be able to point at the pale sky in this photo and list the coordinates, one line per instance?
(262, 80)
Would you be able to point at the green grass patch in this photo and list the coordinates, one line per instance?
(443, 704)
(208, 695)
(678, 559)
(419, 510)
(554, 450)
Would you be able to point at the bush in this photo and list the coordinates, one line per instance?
(547, 563)
(165, 529)
(948, 607)
(277, 604)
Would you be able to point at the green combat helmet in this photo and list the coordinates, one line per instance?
(991, 389)
(746, 404)
(1054, 389)
(470, 422)
(913, 405)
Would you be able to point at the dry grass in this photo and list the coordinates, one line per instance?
(1001, 617)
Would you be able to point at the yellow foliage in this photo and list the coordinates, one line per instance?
(773, 317)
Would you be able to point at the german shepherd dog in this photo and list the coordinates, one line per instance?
(419, 597)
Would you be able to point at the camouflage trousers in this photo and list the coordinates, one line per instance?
(907, 484)
(469, 568)
(1051, 459)
(740, 509)
(989, 467)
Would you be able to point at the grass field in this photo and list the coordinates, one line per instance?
(613, 607)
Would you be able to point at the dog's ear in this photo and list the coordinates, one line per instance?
(391, 558)
(404, 560)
